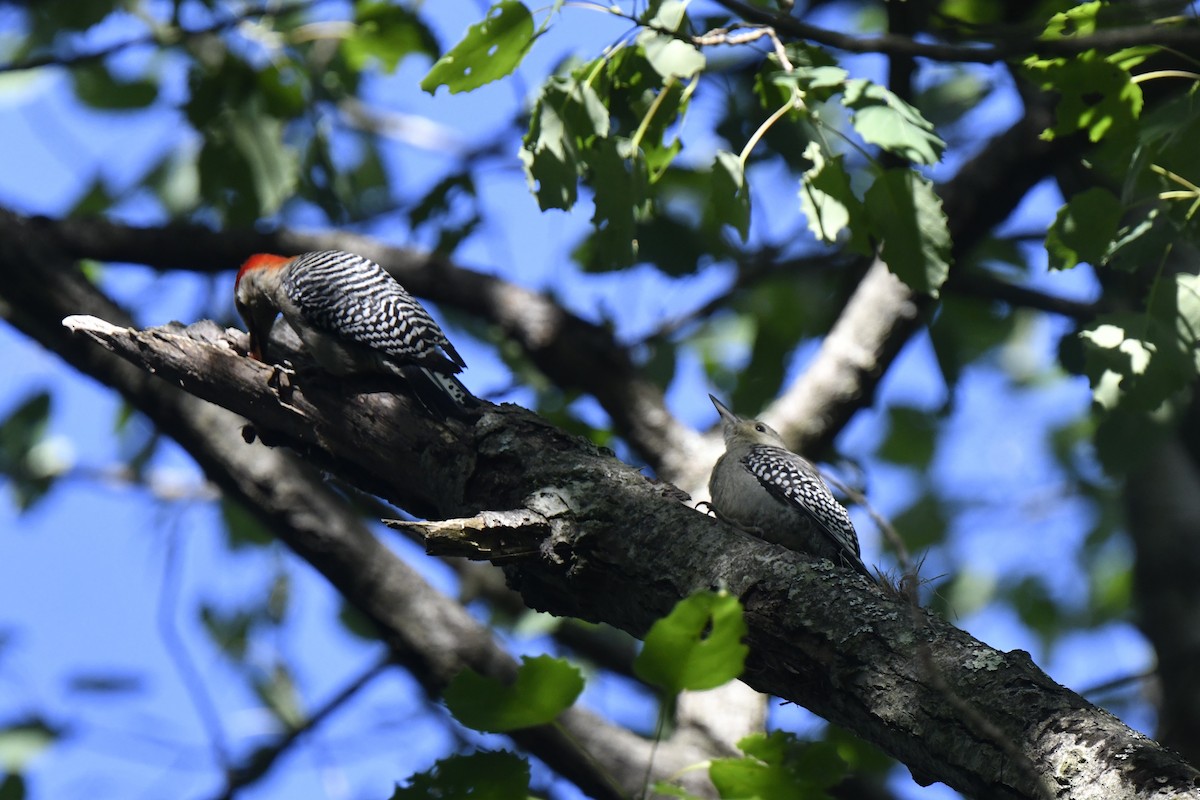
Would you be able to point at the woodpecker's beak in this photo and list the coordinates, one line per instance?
(726, 414)
(257, 340)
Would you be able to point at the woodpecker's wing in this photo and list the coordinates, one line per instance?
(791, 481)
(352, 297)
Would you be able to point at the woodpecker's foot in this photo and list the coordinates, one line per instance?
(707, 509)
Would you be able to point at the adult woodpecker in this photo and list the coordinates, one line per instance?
(354, 319)
(761, 487)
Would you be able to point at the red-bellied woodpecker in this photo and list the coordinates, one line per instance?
(761, 487)
(354, 319)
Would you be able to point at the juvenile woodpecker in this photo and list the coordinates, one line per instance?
(761, 487)
(354, 319)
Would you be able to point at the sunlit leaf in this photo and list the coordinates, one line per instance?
(883, 119)
(671, 57)
(697, 646)
(490, 50)
(778, 765)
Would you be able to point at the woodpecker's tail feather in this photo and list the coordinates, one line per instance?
(443, 395)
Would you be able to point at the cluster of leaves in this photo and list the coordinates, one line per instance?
(697, 646)
(612, 125)
(1141, 357)
(261, 105)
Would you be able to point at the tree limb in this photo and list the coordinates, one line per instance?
(613, 550)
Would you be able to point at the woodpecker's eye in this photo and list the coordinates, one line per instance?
(760, 428)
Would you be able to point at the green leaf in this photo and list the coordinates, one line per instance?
(175, 181)
(778, 765)
(386, 33)
(911, 438)
(229, 631)
(480, 776)
(906, 214)
(96, 87)
(30, 475)
(277, 691)
(671, 57)
(568, 116)
(697, 646)
(1136, 362)
(924, 523)
(357, 623)
(667, 15)
(12, 787)
(1078, 21)
(1095, 95)
(881, 118)
(826, 198)
(1084, 229)
(1035, 606)
(952, 96)
(730, 196)
(965, 329)
(23, 741)
(1145, 240)
(665, 789)
(545, 687)
(242, 529)
(490, 50)
(94, 201)
(75, 15)
(620, 185)
(246, 169)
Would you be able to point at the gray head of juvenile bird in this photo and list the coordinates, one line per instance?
(745, 431)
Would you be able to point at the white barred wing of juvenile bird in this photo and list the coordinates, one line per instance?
(761, 487)
(792, 480)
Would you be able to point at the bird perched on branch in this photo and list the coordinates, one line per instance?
(354, 319)
(761, 487)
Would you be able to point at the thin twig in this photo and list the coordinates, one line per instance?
(193, 681)
(261, 760)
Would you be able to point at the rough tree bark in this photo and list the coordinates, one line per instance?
(612, 546)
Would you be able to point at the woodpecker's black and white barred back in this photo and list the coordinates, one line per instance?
(761, 487)
(354, 319)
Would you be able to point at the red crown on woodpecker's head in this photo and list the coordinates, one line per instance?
(261, 261)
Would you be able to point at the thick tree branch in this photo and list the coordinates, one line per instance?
(428, 633)
(621, 550)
